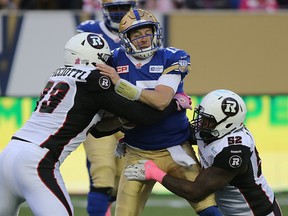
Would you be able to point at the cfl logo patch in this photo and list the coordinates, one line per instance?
(235, 161)
(104, 82)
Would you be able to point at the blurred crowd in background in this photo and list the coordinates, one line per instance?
(161, 5)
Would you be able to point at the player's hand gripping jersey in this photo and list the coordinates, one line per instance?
(174, 129)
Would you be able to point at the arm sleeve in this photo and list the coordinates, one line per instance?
(98, 134)
(133, 111)
(171, 80)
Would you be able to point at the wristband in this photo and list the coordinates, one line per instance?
(153, 172)
(127, 90)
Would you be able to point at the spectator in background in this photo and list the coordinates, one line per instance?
(283, 4)
(252, 5)
(50, 4)
(4, 4)
(212, 4)
(162, 5)
(8, 4)
(90, 6)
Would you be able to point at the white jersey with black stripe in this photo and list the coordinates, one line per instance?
(64, 114)
(248, 193)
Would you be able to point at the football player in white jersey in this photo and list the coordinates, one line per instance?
(158, 74)
(104, 168)
(70, 106)
(231, 162)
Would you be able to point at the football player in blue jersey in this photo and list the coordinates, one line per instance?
(227, 151)
(103, 167)
(155, 75)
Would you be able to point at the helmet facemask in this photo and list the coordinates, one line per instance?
(204, 124)
(146, 52)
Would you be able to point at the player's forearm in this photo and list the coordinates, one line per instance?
(181, 187)
(108, 124)
(154, 99)
(135, 112)
(158, 99)
(184, 188)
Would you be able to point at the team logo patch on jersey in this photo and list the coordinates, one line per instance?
(95, 41)
(230, 106)
(123, 69)
(235, 161)
(156, 69)
(183, 65)
(104, 82)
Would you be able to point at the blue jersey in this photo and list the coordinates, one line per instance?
(99, 27)
(174, 130)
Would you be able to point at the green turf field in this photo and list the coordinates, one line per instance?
(168, 205)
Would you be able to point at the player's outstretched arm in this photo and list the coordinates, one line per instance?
(207, 182)
(133, 111)
(159, 98)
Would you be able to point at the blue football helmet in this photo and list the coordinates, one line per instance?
(114, 10)
(135, 19)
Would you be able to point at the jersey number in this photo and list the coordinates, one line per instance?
(56, 94)
(234, 140)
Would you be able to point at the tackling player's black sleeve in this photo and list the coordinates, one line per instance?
(192, 139)
(97, 82)
(98, 134)
(133, 111)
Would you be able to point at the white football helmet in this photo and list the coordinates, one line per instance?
(86, 49)
(220, 112)
(114, 10)
(138, 18)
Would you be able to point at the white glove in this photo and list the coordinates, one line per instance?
(136, 171)
(120, 149)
